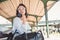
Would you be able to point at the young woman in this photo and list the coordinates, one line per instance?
(20, 24)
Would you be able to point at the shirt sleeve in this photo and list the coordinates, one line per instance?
(26, 27)
(17, 26)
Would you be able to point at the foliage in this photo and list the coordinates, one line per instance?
(2, 1)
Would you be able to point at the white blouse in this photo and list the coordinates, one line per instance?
(20, 27)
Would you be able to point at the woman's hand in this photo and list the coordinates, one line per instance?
(24, 18)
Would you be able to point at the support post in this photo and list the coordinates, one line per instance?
(46, 16)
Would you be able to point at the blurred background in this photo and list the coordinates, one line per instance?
(44, 15)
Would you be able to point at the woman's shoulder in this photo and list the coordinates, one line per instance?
(16, 18)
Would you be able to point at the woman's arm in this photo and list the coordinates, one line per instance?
(17, 25)
(24, 19)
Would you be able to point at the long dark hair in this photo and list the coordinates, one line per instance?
(17, 12)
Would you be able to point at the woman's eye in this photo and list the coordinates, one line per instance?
(23, 8)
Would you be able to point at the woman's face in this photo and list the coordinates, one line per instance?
(21, 10)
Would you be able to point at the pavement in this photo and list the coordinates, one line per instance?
(53, 36)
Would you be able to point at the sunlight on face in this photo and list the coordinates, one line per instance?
(21, 10)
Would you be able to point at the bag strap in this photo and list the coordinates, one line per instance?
(16, 32)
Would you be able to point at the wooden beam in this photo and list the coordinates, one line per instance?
(29, 6)
(33, 4)
(4, 12)
(2, 15)
(9, 8)
(47, 6)
(12, 4)
(51, 5)
(21, 1)
(37, 5)
(31, 21)
(28, 14)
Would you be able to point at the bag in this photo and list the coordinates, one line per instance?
(30, 36)
(3, 35)
(10, 36)
(25, 36)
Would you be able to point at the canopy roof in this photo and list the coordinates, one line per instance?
(34, 7)
(53, 15)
